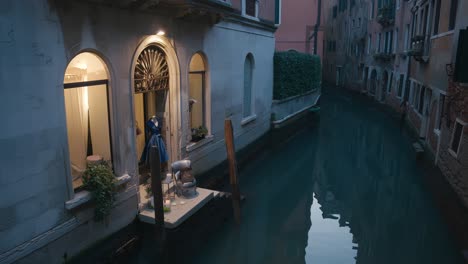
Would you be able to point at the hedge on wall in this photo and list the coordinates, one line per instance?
(295, 73)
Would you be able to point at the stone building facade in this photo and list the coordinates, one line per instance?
(82, 78)
(299, 21)
(407, 51)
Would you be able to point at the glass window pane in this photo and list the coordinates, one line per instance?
(85, 67)
(196, 97)
(87, 115)
(456, 137)
(87, 127)
(248, 87)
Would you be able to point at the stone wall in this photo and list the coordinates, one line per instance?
(285, 109)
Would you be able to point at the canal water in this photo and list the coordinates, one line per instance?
(344, 189)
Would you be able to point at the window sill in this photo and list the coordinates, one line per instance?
(195, 145)
(248, 119)
(442, 34)
(455, 155)
(84, 196)
(416, 112)
(252, 17)
(223, 2)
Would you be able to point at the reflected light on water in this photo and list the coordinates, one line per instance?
(326, 239)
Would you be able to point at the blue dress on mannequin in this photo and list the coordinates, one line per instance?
(155, 139)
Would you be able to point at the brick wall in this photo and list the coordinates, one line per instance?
(455, 169)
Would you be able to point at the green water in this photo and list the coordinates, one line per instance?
(345, 190)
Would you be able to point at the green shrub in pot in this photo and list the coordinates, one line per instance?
(100, 181)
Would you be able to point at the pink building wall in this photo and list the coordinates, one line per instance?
(298, 18)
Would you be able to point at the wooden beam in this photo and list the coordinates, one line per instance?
(231, 156)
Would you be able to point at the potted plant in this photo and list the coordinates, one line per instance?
(100, 181)
(199, 133)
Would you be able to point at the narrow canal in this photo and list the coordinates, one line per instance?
(347, 189)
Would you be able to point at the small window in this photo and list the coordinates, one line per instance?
(407, 32)
(436, 16)
(453, 14)
(197, 93)
(379, 42)
(390, 83)
(400, 85)
(369, 44)
(421, 100)
(457, 136)
(412, 92)
(251, 8)
(395, 49)
(87, 113)
(461, 64)
(248, 75)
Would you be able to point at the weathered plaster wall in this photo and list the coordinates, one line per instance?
(37, 40)
(297, 21)
(226, 63)
(33, 182)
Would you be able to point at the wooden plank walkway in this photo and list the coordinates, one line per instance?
(181, 209)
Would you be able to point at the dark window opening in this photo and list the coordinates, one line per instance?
(250, 7)
(437, 18)
(453, 14)
(461, 64)
(456, 137)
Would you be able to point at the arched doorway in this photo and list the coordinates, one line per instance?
(373, 82)
(156, 96)
(87, 111)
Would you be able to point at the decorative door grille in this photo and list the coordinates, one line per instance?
(151, 71)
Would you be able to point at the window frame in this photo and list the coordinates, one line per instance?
(247, 118)
(206, 100)
(390, 83)
(90, 84)
(440, 112)
(204, 108)
(244, 10)
(453, 14)
(401, 81)
(463, 124)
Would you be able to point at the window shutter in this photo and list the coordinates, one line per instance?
(461, 65)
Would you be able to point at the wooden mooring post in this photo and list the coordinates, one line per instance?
(231, 156)
(156, 188)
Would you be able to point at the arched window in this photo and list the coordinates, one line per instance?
(198, 97)
(248, 74)
(87, 112)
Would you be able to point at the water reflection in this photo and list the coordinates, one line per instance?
(327, 237)
(345, 191)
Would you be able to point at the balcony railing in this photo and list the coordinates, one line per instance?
(419, 48)
(383, 56)
(386, 15)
